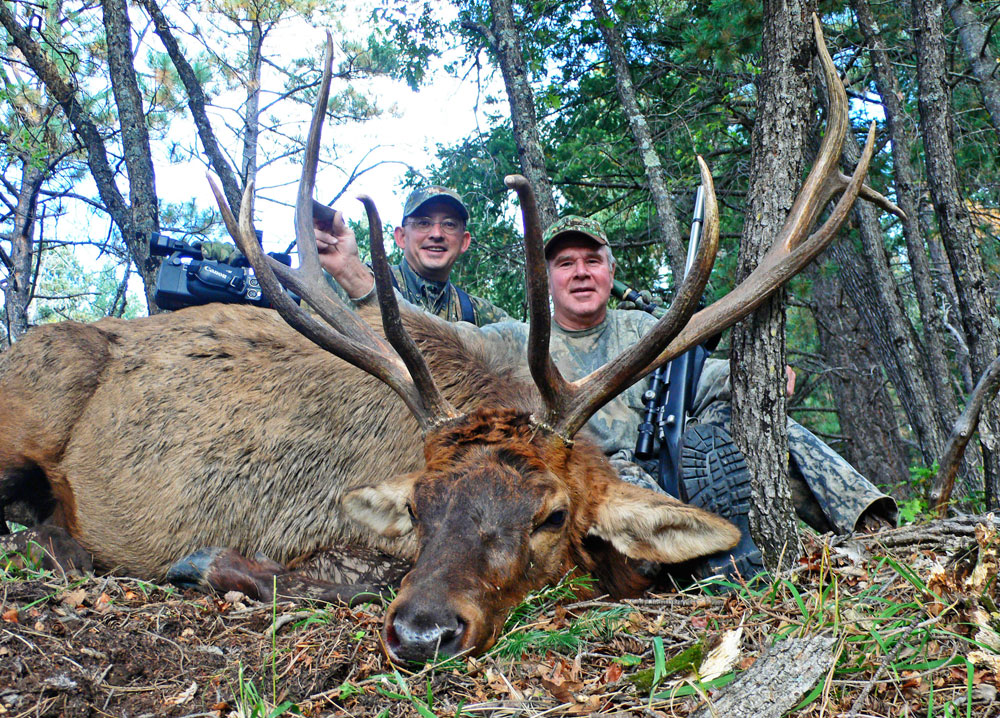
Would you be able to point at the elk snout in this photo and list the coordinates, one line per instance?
(419, 630)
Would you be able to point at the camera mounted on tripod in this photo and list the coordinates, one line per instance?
(187, 279)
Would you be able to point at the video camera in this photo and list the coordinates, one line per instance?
(187, 279)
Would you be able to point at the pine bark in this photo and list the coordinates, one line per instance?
(979, 317)
(666, 215)
(20, 286)
(505, 41)
(867, 420)
(143, 202)
(907, 197)
(974, 38)
(251, 123)
(758, 343)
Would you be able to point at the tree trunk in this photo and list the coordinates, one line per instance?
(506, 44)
(20, 287)
(874, 446)
(957, 232)
(974, 38)
(251, 124)
(84, 126)
(143, 201)
(666, 215)
(196, 104)
(907, 193)
(758, 342)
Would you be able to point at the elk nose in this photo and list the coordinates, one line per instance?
(416, 634)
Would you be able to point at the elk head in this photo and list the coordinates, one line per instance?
(507, 501)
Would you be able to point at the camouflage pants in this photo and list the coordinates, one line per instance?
(828, 493)
(629, 470)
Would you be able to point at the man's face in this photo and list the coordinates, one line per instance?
(432, 238)
(580, 278)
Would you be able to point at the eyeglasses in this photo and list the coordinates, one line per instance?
(425, 224)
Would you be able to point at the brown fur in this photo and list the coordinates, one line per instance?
(221, 426)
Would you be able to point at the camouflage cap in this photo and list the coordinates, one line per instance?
(422, 195)
(573, 224)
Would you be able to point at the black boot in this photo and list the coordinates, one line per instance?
(714, 477)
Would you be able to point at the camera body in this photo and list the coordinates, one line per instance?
(187, 279)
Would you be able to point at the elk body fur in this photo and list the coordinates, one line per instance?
(215, 425)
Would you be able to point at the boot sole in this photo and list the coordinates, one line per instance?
(714, 477)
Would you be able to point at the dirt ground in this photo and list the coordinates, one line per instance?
(906, 644)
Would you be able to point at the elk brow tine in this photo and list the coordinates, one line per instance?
(555, 390)
(438, 408)
(387, 368)
(597, 388)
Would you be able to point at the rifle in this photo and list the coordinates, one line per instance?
(672, 386)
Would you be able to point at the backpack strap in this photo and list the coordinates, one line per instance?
(465, 302)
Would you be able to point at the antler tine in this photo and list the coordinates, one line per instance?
(823, 180)
(436, 406)
(555, 390)
(773, 271)
(596, 389)
(386, 367)
(791, 250)
(350, 338)
(304, 235)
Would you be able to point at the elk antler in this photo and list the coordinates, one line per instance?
(568, 405)
(347, 335)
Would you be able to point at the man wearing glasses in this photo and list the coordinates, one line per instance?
(432, 235)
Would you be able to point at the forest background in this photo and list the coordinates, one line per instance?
(604, 108)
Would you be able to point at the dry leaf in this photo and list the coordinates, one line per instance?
(559, 691)
(74, 599)
(102, 603)
(986, 660)
(9, 616)
(612, 673)
(721, 659)
(184, 696)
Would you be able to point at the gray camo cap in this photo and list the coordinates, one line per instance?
(422, 195)
(574, 224)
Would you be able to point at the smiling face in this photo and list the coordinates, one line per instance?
(580, 278)
(432, 239)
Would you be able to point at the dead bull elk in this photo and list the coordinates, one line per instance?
(224, 426)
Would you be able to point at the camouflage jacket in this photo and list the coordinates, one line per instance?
(577, 353)
(441, 298)
(437, 298)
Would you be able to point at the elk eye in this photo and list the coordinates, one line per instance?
(554, 520)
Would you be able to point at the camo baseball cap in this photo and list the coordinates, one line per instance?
(422, 195)
(573, 224)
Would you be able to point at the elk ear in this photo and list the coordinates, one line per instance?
(649, 526)
(382, 507)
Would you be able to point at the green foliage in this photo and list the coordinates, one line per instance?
(67, 289)
(523, 633)
(250, 703)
